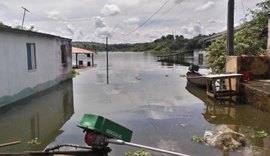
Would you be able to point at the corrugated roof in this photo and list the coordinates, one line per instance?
(76, 50)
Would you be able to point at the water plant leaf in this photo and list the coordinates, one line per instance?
(139, 152)
(197, 139)
(262, 134)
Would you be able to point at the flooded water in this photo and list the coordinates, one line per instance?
(148, 97)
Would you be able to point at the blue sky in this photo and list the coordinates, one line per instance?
(121, 20)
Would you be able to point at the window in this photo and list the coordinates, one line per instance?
(31, 56)
(63, 55)
(200, 59)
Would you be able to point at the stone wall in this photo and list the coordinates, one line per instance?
(256, 93)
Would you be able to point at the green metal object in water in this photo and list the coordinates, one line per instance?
(105, 126)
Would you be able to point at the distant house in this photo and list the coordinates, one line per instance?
(31, 62)
(79, 51)
(200, 58)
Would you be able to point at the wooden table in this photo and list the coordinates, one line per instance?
(214, 85)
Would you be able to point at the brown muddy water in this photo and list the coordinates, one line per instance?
(151, 98)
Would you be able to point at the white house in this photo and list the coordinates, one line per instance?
(200, 58)
(31, 62)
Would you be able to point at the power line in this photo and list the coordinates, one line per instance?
(149, 18)
(243, 7)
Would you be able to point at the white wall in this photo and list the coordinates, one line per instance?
(15, 76)
(196, 57)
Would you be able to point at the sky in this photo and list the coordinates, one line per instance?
(123, 21)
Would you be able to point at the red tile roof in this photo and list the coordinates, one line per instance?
(76, 50)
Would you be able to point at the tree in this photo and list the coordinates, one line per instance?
(249, 40)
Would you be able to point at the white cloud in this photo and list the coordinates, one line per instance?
(110, 10)
(178, 1)
(3, 7)
(206, 6)
(79, 35)
(213, 21)
(70, 29)
(99, 22)
(130, 3)
(132, 20)
(104, 32)
(55, 15)
(192, 29)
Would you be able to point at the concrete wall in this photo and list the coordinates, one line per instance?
(16, 80)
(256, 66)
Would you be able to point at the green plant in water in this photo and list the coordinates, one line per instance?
(139, 152)
(34, 142)
(262, 134)
(197, 139)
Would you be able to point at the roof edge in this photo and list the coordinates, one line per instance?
(14, 30)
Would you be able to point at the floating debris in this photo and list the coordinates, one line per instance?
(182, 76)
(213, 116)
(34, 141)
(224, 138)
(183, 125)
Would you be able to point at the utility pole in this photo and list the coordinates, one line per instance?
(24, 10)
(107, 58)
(230, 28)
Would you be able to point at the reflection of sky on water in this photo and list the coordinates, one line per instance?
(150, 99)
(143, 96)
(155, 102)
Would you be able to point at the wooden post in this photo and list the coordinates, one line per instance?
(92, 59)
(268, 45)
(76, 58)
(268, 39)
(230, 28)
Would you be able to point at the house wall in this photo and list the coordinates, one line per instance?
(16, 80)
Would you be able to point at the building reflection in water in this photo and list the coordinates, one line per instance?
(239, 117)
(36, 121)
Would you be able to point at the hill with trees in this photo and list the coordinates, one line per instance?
(163, 45)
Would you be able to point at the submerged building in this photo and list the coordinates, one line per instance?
(31, 62)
